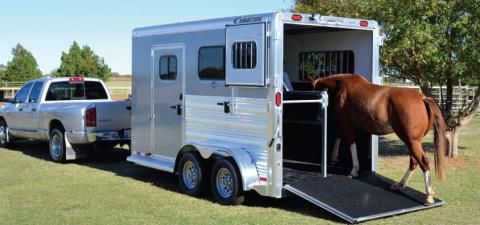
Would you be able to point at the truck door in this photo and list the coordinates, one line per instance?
(16, 118)
(168, 75)
(30, 110)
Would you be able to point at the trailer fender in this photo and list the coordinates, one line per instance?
(245, 163)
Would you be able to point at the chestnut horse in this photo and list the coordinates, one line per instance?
(380, 110)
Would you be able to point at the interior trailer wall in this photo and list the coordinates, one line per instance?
(301, 141)
(358, 41)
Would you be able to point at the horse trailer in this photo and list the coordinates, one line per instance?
(226, 105)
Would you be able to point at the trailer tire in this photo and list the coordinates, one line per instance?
(3, 134)
(226, 183)
(57, 145)
(191, 174)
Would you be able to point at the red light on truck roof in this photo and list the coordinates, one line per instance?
(364, 23)
(74, 80)
(296, 17)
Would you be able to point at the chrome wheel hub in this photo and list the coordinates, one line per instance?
(224, 182)
(190, 174)
(3, 135)
(56, 146)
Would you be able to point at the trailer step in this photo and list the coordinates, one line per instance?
(356, 200)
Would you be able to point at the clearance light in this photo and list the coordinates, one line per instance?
(278, 99)
(364, 23)
(296, 17)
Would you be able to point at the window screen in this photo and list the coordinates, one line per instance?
(168, 67)
(244, 55)
(211, 63)
(325, 63)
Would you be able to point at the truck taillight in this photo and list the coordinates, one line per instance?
(91, 117)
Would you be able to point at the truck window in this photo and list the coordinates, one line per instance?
(60, 91)
(325, 63)
(211, 63)
(168, 67)
(35, 92)
(95, 90)
(22, 94)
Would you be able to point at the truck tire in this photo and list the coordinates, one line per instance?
(191, 174)
(57, 145)
(225, 183)
(3, 134)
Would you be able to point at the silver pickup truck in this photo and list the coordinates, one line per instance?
(72, 114)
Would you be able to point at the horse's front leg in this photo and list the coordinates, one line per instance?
(355, 166)
(336, 146)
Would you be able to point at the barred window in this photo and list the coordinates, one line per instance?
(244, 55)
(325, 63)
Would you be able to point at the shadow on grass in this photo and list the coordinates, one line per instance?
(395, 147)
(115, 161)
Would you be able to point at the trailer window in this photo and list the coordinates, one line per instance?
(168, 67)
(211, 63)
(325, 63)
(244, 55)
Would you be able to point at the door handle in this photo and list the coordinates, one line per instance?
(20, 109)
(34, 109)
(178, 107)
(226, 106)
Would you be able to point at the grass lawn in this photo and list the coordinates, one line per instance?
(105, 189)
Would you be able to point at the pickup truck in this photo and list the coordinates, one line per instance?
(73, 114)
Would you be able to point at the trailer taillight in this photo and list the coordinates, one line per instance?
(364, 23)
(278, 99)
(91, 117)
(296, 17)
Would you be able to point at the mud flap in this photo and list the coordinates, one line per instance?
(71, 153)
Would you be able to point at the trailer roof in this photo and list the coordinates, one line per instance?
(287, 17)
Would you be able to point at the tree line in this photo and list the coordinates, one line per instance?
(77, 61)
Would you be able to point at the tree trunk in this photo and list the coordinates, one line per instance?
(452, 142)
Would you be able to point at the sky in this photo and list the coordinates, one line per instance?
(46, 28)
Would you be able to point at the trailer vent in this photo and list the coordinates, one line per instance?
(325, 63)
(244, 55)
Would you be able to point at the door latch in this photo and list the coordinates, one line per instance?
(226, 106)
(178, 107)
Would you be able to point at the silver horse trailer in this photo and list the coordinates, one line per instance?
(226, 105)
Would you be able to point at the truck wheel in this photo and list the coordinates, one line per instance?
(191, 174)
(225, 183)
(3, 134)
(57, 145)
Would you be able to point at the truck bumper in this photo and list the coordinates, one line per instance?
(86, 137)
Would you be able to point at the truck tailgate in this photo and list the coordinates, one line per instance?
(113, 115)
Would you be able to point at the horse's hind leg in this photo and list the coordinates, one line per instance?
(420, 156)
(356, 165)
(403, 183)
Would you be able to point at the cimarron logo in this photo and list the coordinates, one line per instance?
(251, 19)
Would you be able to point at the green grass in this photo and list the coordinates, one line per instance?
(107, 190)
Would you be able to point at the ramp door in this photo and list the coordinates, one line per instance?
(354, 200)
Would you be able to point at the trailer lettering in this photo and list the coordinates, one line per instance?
(251, 19)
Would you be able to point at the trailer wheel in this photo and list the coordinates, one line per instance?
(191, 174)
(57, 145)
(225, 183)
(3, 134)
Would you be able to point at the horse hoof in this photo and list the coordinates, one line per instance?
(351, 176)
(429, 200)
(398, 187)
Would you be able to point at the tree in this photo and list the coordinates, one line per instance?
(23, 66)
(82, 62)
(431, 42)
(3, 68)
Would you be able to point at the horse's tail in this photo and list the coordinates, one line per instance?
(439, 137)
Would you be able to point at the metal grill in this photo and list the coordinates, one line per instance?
(244, 55)
(325, 63)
